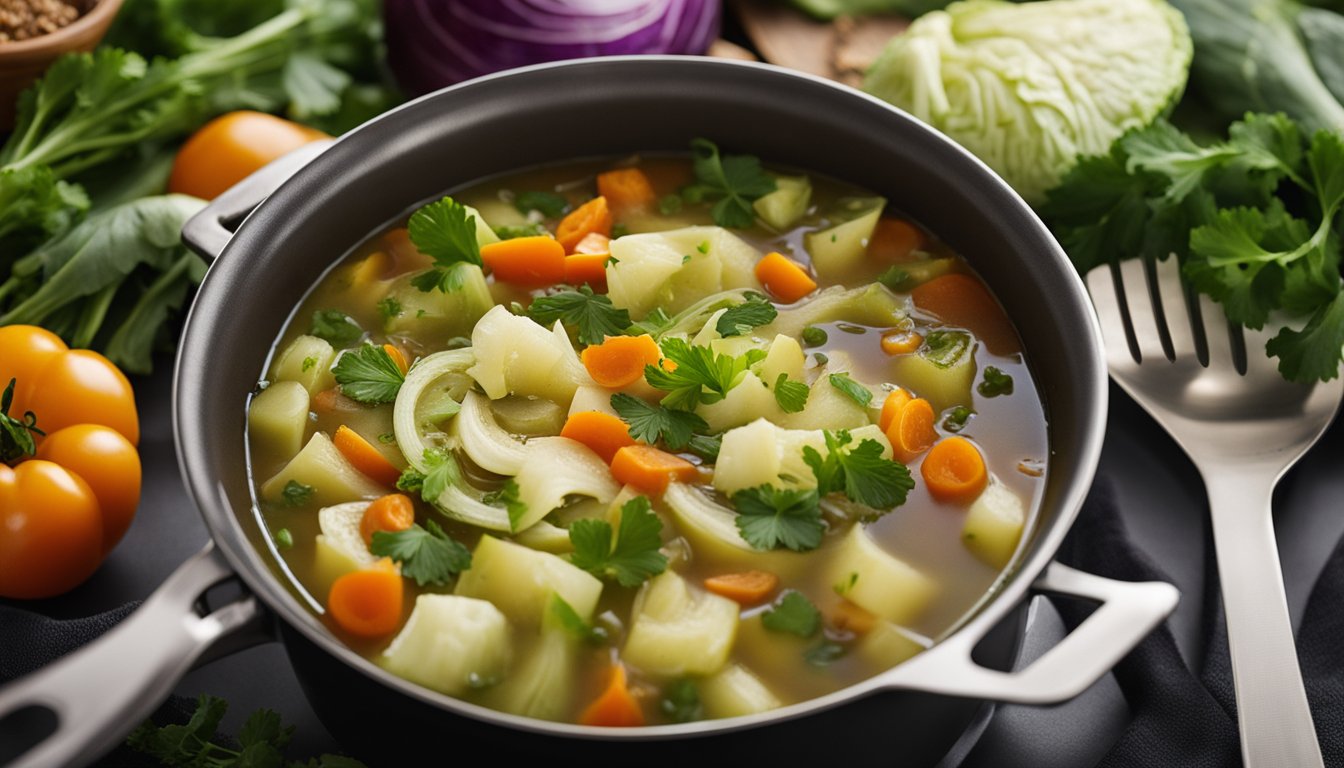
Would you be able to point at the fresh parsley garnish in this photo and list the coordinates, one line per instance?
(444, 231)
(443, 472)
(791, 395)
(814, 336)
(681, 702)
(296, 494)
(389, 307)
(995, 383)
(336, 327)
(633, 557)
(956, 419)
(511, 231)
(734, 181)
(551, 205)
(653, 324)
(507, 497)
(16, 433)
(852, 389)
(368, 375)
(895, 278)
(743, 318)
(701, 374)
(428, 555)
(859, 471)
(944, 348)
(651, 423)
(592, 314)
(793, 613)
(309, 363)
(569, 619)
(769, 517)
(706, 446)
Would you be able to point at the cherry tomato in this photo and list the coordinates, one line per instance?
(25, 350)
(108, 463)
(51, 530)
(229, 148)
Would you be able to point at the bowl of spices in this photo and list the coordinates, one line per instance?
(34, 33)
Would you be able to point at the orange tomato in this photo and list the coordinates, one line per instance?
(229, 148)
(108, 463)
(51, 530)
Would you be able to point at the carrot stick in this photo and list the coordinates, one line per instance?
(365, 457)
(391, 513)
(616, 706)
(625, 188)
(891, 407)
(746, 588)
(592, 216)
(397, 357)
(368, 602)
(785, 279)
(901, 342)
(534, 261)
(620, 360)
(962, 300)
(911, 432)
(649, 469)
(590, 268)
(603, 433)
(954, 471)
(895, 240)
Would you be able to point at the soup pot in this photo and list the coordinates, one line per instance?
(271, 238)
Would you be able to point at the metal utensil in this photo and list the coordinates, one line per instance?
(1243, 425)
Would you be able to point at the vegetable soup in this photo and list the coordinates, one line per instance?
(647, 440)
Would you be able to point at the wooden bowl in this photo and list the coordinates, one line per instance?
(23, 62)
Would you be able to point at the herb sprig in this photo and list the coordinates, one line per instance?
(592, 315)
(368, 375)
(633, 557)
(733, 181)
(428, 555)
(445, 231)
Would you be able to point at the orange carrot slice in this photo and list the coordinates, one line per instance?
(895, 240)
(901, 342)
(616, 707)
(603, 433)
(531, 261)
(746, 588)
(954, 471)
(649, 469)
(962, 300)
(589, 268)
(390, 513)
(891, 407)
(368, 603)
(364, 456)
(785, 279)
(619, 360)
(625, 188)
(397, 357)
(592, 216)
(911, 432)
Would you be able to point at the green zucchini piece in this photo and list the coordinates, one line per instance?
(783, 208)
(451, 644)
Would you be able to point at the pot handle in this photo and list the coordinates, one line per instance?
(209, 230)
(98, 693)
(1128, 612)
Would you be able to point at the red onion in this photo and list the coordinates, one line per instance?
(435, 43)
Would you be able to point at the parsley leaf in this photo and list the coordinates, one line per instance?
(995, 383)
(507, 497)
(296, 494)
(649, 423)
(701, 374)
(428, 555)
(859, 471)
(368, 375)
(681, 701)
(741, 319)
(335, 327)
(551, 205)
(1313, 353)
(791, 395)
(592, 314)
(444, 231)
(633, 557)
(769, 517)
(852, 389)
(706, 446)
(389, 307)
(956, 419)
(793, 613)
(735, 180)
(653, 324)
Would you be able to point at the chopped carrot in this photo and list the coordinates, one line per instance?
(649, 469)
(620, 360)
(331, 400)
(785, 279)
(537, 260)
(625, 188)
(851, 618)
(746, 588)
(954, 471)
(594, 242)
(368, 603)
(961, 300)
(901, 342)
(397, 357)
(616, 706)
(603, 433)
(589, 268)
(911, 432)
(895, 240)
(391, 513)
(592, 216)
(891, 407)
(365, 457)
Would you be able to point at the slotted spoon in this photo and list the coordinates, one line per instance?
(1213, 389)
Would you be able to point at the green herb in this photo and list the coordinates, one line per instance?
(733, 180)
(686, 259)
(681, 702)
(387, 438)
(296, 494)
(769, 517)
(701, 376)
(703, 247)
(509, 232)
(824, 654)
(651, 423)
(706, 446)
(261, 741)
(945, 348)
(654, 324)
(955, 421)
(895, 278)
(569, 619)
(821, 358)
(633, 557)
(445, 231)
(851, 388)
(16, 433)
(428, 555)
(995, 383)
(443, 473)
(793, 613)
(551, 205)
(389, 307)
(590, 313)
(368, 375)
(335, 327)
(791, 395)
(507, 497)
(846, 586)
(284, 539)
(859, 471)
(814, 336)
(669, 205)
(741, 319)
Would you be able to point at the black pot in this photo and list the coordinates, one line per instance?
(291, 228)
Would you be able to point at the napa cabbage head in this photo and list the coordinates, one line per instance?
(1031, 88)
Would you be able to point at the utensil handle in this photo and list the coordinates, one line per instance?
(1272, 711)
(98, 693)
(1128, 611)
(210, 229)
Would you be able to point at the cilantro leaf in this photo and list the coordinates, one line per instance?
(859, 471)
(335, 327)
(428, 555)
(791, 395)
(1162, 149)
(741, 319)
(1313, 353)
(995, 383)
(768, 517)
(446, 232)
(296, 494)
(368, 375)
(650, 423)
(633, 558)
(507, 497)
(551, 205)
(793, 613)
(706, 446)
(592, 314)
(852, 389)
(735, 180)
(701, 374)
